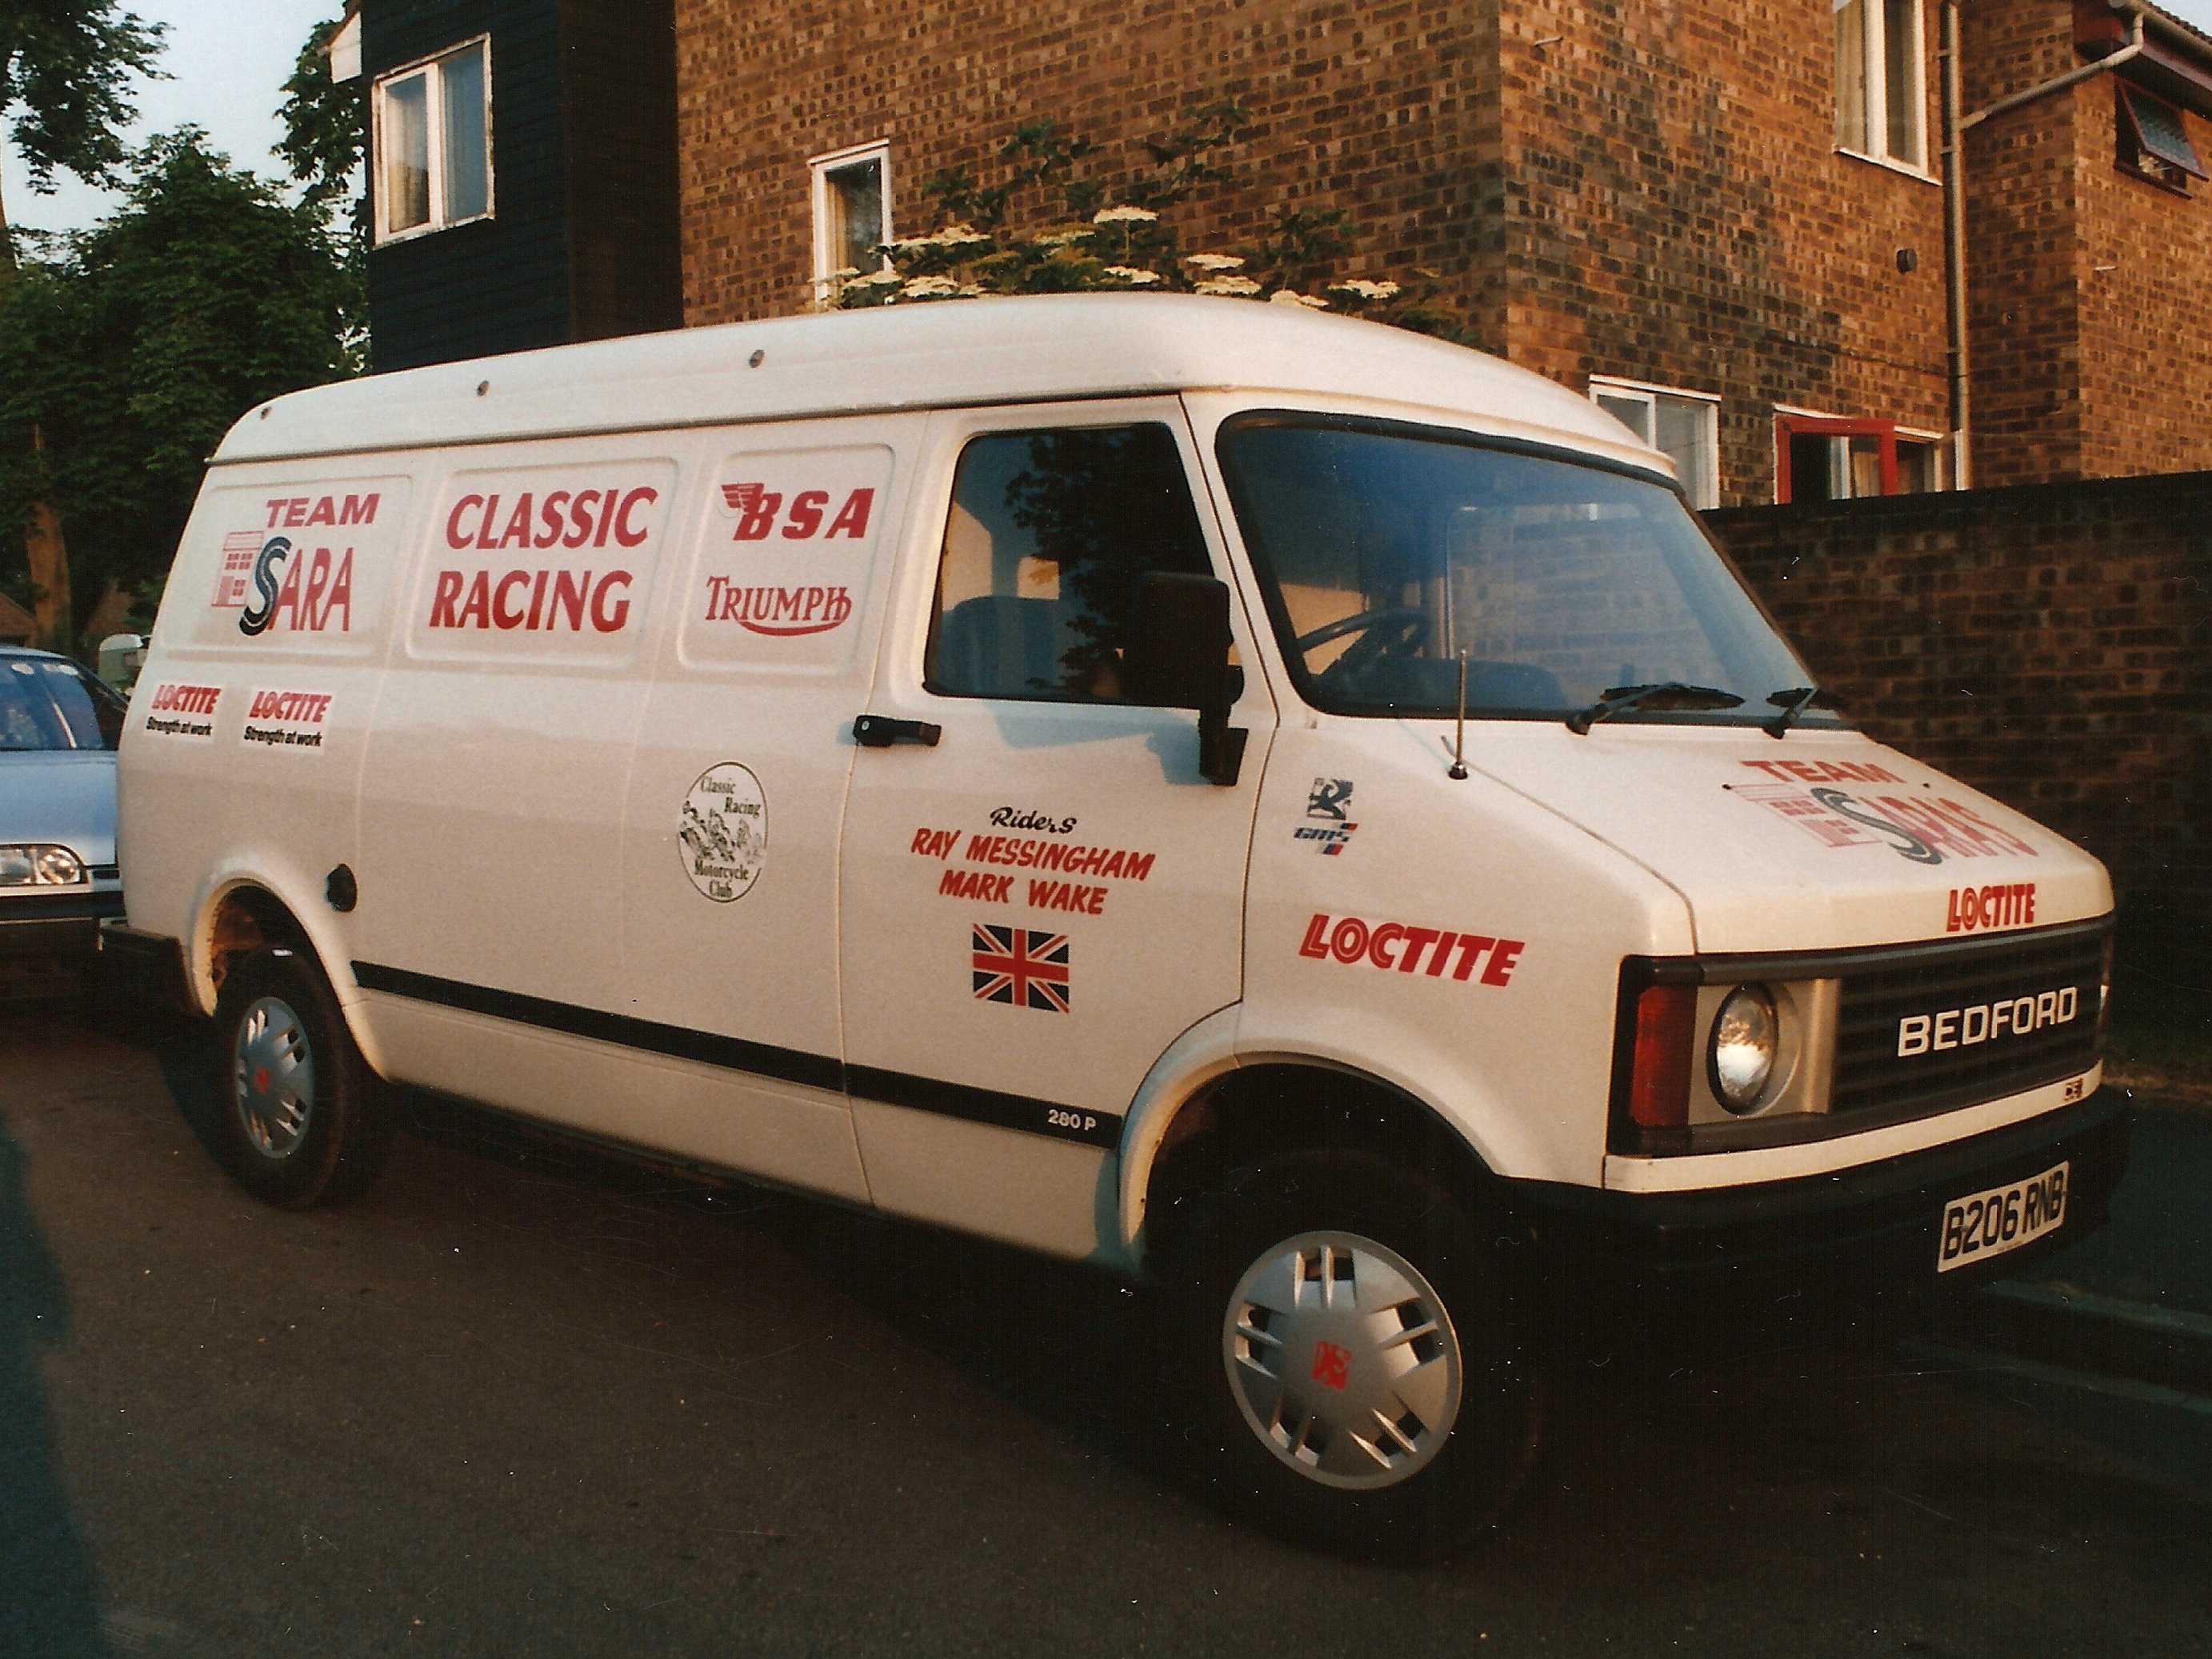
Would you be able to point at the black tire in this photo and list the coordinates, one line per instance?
(1457, 1476)
(277, 1025)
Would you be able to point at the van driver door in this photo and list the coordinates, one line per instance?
(1039, 892)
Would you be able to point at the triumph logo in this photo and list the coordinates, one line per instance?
(1962, 1028)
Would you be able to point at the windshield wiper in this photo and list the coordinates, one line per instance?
(1619, 699)
(1792, 703)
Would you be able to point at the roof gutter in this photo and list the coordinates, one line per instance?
(2072, 77)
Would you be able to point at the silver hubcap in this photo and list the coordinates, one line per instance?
(1343, 1360)
(273, 1077)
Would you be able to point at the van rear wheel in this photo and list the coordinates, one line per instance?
(301, 1118)
(1346, 1349)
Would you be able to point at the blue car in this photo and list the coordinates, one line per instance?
(59, 728)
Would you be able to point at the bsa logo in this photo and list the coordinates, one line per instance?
(1020, 967)
(723, 837)
(761, 511)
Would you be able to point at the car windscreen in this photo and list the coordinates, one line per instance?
(1385, 551)
(47, 703)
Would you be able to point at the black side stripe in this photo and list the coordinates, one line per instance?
(932, 1095)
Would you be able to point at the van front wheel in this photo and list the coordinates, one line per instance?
(1347, 1353)
(300, 1119)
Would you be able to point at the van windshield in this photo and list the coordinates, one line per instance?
(1386, 552)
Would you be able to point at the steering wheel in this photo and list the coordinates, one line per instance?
(1385, 627)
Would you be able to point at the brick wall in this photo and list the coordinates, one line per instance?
(1375, 108)
(2091, 353)
(2146, 342)
(2051, 645)
(1676, 212)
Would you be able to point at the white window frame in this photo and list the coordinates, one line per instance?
(1875, 77)
(1704, 492)
(435, 117)
(819, 167)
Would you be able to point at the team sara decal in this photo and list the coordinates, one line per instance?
(299, 582)
(1435, 952)
(184, 711)
(1925, 831)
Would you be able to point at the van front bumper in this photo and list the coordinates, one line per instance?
(1877, 1224)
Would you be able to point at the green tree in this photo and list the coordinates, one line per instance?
(326, 137)
(64, 71)
(138, 347)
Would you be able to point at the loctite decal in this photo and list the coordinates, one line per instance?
(1435, 952)
(184, 711)
(286, 720)
(2011, 904)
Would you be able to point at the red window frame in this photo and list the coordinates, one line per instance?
(1787, 427)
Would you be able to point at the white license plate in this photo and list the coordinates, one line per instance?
(1984, 1224)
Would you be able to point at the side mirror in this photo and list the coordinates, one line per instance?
(1177, 656)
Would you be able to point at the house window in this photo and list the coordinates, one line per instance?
(2153, 141)
(1684, 425)
(1881, 96)
(852, 214)
(433, 166)
(1817, 458)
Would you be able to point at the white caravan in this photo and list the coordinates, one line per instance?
(1265, 803)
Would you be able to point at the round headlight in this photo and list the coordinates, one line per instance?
(1746, 1034)
(58, 867)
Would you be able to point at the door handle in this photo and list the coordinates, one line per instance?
(880, 732)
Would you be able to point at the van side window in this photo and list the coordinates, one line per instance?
(1049, 534)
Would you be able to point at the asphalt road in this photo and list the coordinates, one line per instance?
(519, 1402)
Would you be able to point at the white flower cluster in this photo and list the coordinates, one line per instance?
(928, 288)
(1118, 215)
(1213, 261)
(1234, 288)
(1283, 296)
(874, 279)
(1132, 276)
(1365, 290)
(1062, 237)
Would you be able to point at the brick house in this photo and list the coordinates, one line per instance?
(1729, 225)
(522, 172)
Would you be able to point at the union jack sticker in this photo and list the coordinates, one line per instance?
(1020, 967)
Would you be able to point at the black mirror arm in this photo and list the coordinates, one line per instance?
(1220, 745)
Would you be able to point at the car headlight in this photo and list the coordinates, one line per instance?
(1745, 1036)
(39, 866)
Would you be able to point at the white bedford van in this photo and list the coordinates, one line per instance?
(1264, 802)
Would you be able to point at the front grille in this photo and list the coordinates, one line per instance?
(1967, 980)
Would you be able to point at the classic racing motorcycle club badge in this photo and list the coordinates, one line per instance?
(724, 837)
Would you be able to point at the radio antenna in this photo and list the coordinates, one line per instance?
(1458, 769)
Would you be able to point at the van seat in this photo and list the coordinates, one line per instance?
(998, 646)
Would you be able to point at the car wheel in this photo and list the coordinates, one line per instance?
(1347, 1353)
(302, 1120)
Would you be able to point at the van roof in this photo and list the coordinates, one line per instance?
(921, 356)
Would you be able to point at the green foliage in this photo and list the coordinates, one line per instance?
(136, 349)
(1082, 232)
(66, 64)
(326, 132)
